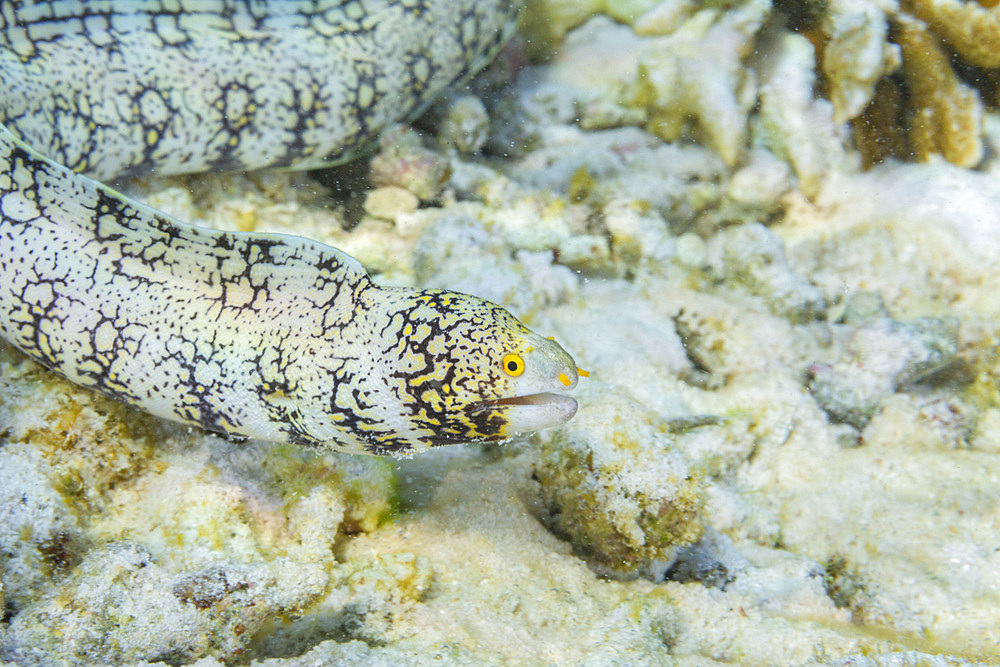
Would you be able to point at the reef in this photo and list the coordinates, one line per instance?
(912, 79)
(734, 215)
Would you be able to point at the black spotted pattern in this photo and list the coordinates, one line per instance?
(266, 336)
(123, 87)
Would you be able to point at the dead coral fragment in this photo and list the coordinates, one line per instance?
(697, 74)
(122, 606)
(886, 356)
(545, 22)
(40, 534)
(856, 54)
(792, 123)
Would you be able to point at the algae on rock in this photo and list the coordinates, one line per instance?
(624, 502)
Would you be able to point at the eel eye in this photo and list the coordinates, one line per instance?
(513, 365)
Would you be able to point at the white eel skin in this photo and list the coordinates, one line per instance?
(258, 335)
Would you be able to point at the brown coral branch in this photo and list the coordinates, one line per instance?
(946, 113)
(971, 29)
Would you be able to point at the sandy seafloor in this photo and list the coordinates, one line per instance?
(787, 451)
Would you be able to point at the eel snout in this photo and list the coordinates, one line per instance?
(533, 412)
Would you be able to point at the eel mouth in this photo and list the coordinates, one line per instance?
(532, 412)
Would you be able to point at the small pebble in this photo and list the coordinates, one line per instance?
(389, 202)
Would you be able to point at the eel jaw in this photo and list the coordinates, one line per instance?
(532, 412)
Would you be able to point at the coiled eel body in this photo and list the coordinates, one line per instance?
(112, 88)
(258, 335)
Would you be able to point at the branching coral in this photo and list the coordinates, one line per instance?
(910, 76)
(946, 114)
(924, 108)
(971, 28)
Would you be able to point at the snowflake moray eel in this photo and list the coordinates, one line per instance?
(256, 335)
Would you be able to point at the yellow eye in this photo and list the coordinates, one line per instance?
(513, 365)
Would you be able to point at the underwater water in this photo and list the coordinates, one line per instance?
(767, 232)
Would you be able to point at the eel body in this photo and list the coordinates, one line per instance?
(120, 87)
(265, 336)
